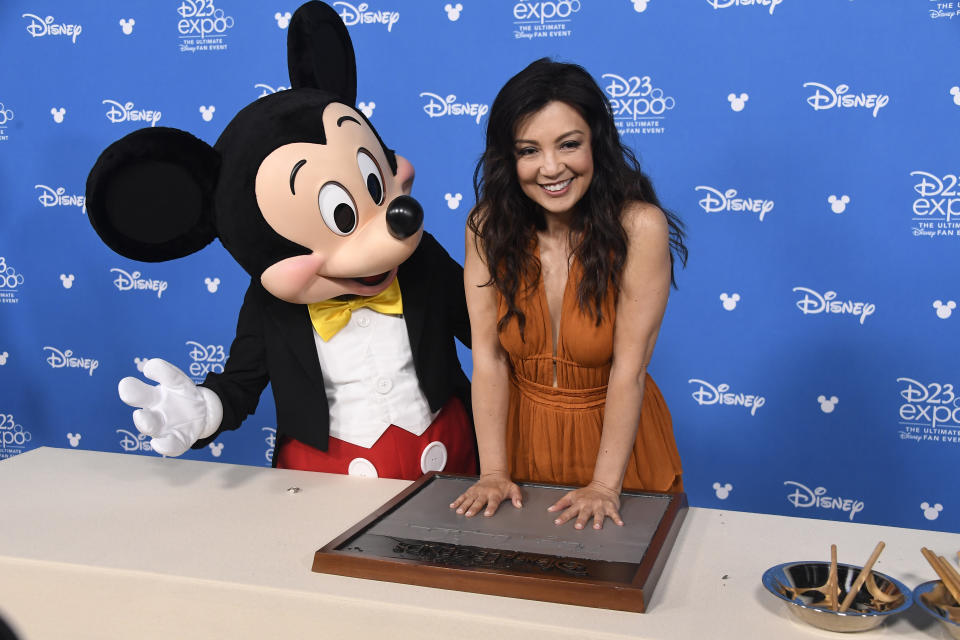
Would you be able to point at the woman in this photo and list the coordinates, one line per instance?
(569, 263)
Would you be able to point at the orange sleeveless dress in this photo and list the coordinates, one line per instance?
(553, 433)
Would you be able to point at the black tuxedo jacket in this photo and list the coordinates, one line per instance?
(275, 344)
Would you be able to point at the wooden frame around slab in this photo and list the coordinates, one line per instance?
(608, 585)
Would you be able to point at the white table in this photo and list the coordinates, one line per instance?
(104, 545)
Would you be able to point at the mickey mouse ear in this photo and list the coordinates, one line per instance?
(320, 53)
(150, 194)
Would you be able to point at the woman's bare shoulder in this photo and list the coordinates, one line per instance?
(642, 219)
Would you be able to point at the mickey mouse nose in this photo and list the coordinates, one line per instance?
(404, 217)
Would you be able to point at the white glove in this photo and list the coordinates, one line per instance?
(176, 412)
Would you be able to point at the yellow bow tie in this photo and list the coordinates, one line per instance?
(330, 316)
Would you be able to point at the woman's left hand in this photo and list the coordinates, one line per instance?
(592, 501)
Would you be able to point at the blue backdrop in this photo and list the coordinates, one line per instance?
(810, 354)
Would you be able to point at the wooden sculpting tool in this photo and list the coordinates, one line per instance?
(945, 571)
(833, 586)
(855, 588)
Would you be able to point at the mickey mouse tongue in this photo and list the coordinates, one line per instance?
(373, 280)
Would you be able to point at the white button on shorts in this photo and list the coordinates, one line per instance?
(363, 468)
(434, 457)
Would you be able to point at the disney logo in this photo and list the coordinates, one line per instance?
(132, 281)
(826, 98)
(59, 359)
(714, 200)
(267, 89)
(125, 112)
(706, 393)
(723, 4)
(352, 15)
(813, 302)
(40, 27)
(134, 442)
(437, 107)
(50, 197)
(6, 115)
(546, 11)
(803, 497)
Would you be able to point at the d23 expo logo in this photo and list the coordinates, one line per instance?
(202, 26)
(930, 411)
(13, 437)
(936, 209)
(637, 105)
(205, 359)
(544, 19)
(10, 282)
(271, 440)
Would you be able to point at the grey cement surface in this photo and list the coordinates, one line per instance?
(427, 516)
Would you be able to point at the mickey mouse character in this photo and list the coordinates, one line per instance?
(352, 308)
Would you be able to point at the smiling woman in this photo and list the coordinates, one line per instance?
(569, 262)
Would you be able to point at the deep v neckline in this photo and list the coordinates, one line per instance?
(545, 300)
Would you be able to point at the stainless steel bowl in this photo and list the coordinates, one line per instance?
(934, 598)
(798, 583)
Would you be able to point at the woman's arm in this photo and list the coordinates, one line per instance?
(642, 300)
(490, 390)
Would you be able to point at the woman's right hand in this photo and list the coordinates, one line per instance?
(489, 491)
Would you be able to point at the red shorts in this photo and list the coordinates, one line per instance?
(447, 445)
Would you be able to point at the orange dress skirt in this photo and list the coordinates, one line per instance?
(553, 433)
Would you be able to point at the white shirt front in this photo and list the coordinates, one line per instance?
(370, 380)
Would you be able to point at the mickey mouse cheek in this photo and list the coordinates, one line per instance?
(295, 279)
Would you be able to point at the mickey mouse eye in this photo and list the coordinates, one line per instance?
(371, 175)
(337, 209)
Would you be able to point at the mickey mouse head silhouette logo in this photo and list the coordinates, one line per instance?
(453, 11)
(127, 26)
(216, 448)
(367, 108)
(931, 512)
(66, 280)
(140, 362)
(944, 311)
(74, 439)
(955, 92)
(827, 405)
(283, 19)
(730, 301)
(212, 284)
(3, 358)
(640, 5)
(58, 114)
(722, 490)
(838, 205)
(453, 200)
(207, 112)
(737, 103)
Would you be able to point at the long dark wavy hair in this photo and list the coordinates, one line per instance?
(506, 220)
